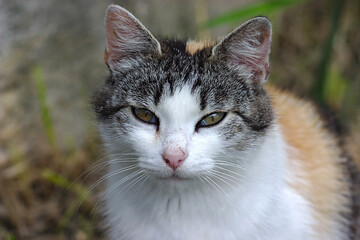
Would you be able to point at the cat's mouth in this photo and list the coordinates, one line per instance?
(174, 178)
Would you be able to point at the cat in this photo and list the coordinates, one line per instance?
(202, 149)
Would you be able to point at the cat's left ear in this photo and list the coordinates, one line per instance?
(126, 37)
(247, 49)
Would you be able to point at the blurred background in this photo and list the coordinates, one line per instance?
(51, 61)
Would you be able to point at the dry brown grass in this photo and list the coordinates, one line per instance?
(40, 193)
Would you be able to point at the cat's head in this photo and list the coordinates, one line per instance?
(182, 109)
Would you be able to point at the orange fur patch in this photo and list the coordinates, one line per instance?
(314, 158)
(193, 46)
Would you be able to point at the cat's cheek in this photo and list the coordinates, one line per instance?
(145, 140)
(145, 144)
(203, 149)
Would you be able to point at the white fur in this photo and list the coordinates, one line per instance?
(252, 201)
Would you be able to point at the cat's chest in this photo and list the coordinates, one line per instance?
(177, 219)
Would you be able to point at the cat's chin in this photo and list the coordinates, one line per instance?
(175, 178)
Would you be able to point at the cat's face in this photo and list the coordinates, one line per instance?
(179, 114)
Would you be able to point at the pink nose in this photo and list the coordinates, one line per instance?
(174, 157)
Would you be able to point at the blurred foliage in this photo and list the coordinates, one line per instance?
(322, 76)
(255, 9)
(48, 191)
(334, 88)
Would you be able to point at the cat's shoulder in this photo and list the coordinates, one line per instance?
(315, 157)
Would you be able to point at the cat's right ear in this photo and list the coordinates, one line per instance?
(126, 37)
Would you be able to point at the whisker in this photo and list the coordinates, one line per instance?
(129, 185)
(227, 177)
(116, 185)
(103, 178)
(144, 177)
(204, 182)
(218, 177)
(111, 174)
(215, 185)
(122, 180)
(97, 166)
(229, 172)
(230, 164)
(116, 156)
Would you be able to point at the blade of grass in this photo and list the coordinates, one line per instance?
(335, 87)
(318, 90)
(60, 181)
(44, 108)
(258, 8)
(5, 235)
(78, 189)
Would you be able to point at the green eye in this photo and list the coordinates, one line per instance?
(211, 119)
(145, 115)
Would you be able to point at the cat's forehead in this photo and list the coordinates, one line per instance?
(180, 107)
(179, 72)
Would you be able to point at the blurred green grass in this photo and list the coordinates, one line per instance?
(46, 118)
(53, 182)
(258, 8)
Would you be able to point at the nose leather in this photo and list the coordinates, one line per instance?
(174, 157)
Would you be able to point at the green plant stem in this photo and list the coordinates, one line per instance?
(318, 90)
(44, 108)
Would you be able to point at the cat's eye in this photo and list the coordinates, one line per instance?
(211, 119)
(145, 115)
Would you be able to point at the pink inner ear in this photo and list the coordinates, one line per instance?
(247, 49)
(119, 29)
(126, 36)
(254, 53)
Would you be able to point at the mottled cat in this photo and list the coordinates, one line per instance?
(202, 150)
